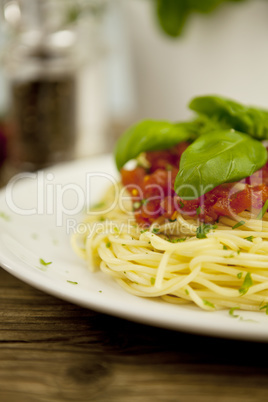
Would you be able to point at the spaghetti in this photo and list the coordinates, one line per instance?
(214, 266)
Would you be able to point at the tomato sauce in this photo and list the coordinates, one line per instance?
(153, 195)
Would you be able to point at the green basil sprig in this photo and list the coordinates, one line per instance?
(150, 135)
(217, 157)
(231, 114)
(174, 14)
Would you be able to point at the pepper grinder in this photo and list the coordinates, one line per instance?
(41, 63)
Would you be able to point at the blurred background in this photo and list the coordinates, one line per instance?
(76, 73)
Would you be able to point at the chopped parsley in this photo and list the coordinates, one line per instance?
(155, 230)
(4, 216)
(152, 281)
(238, 224)
(144, 201)
(225, 247)
(199, 210)
(144, 230)
(177, 240)
(239, 275)
(231, 312)
(265, 307)
(263, 210)
(42, 262)
(98, 205)
(249, 238)
(207, 303)
(72, 282)
(187, 292)
(246, 284)
(108, 244)
(181, 204)
(229, 256)
(203, 229)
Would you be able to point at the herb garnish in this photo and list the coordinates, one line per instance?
(249, 238)
(239, 275)
(152, 281)
(229, 256)
(199, 163)
(263, 210)
(108, 244)
(238, 224)
(177, 240)
(72, 282)
(144, 201)
(203, 229)
(246, 284)
(231, 312)
(198, 210)
(181, 204)
(237, 134)
(42, 262)
(207, 303)
(265, 307)
(4, 216)
(155, 230)
(98, 205)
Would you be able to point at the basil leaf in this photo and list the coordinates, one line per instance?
(215, 158)
(231, 114)
(149, 135)
(172, 15)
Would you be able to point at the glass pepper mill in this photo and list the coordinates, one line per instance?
(41, 64)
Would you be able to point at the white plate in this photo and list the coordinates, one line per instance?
(37, 216)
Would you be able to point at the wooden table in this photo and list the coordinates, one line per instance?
(52, 350)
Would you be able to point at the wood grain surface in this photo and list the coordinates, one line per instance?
(51, 351)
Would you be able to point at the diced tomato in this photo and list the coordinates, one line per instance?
(133, 180)
(154, 190)
(167, 158)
